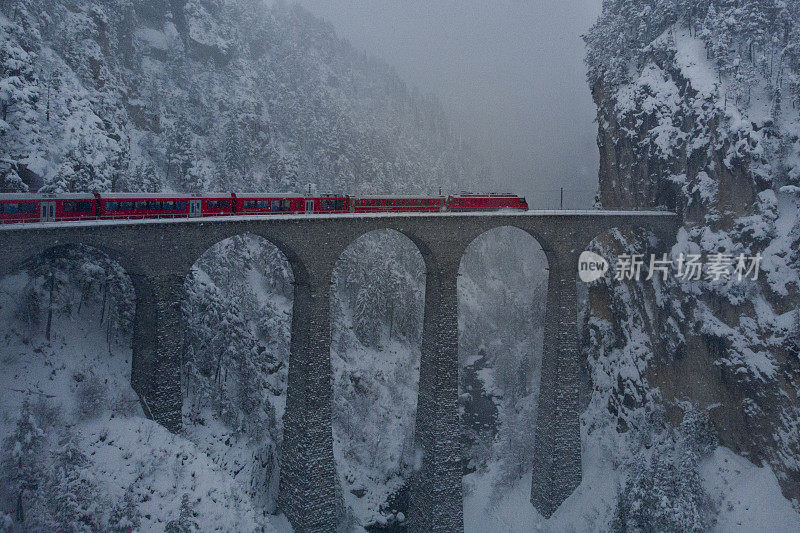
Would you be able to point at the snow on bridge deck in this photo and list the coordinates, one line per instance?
(338, 216)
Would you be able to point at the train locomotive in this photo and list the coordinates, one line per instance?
(23, 207)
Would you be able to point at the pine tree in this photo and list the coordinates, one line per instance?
(19, 95)
(185, 523)
(125, 516)
(73, 498)
(78, 172)
(179, 154)
(24, 464)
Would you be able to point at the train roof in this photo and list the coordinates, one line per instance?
(271, 195)
(46, 196)
(149, 195)
(401, 196)
(485, 195)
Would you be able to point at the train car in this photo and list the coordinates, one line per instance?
(283, 203)
(267, 203)
(485, 202)
(397, 204)
(24, 207)
(327, 204)
(84, 206)
(163, 205)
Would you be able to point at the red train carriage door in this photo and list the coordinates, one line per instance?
(194, 208)
(47, 211)
(309, 206)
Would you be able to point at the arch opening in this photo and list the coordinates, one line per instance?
(377, 303)
(502, 291)
(237, 313)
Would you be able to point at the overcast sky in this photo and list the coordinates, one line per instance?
(510, 73)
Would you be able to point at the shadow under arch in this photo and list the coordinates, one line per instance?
(502, 289)
(237, 314)
(377, 305)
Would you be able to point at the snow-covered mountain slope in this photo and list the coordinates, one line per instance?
(207, 94)
(698, 112)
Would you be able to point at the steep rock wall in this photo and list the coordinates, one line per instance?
(673, 136)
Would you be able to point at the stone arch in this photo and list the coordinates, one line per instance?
(513, 305)
(377, 305)
(236, 316)
(35, 249)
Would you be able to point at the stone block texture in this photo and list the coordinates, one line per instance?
(557, 460)
(436, 495)
(157, 348)
(309, 491)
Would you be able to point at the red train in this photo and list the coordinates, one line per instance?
(85, 206)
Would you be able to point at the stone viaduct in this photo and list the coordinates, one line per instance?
(158, 255)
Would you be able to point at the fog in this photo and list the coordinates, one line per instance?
(510, 73)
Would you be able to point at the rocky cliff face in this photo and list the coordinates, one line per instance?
(711, 132)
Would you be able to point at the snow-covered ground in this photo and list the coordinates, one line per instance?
(748, 498)
(126, 452)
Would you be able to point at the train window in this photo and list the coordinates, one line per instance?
(141, 204)
(218, 204)
(111, 206)
(332, 205)
(280, 205)
(154, 205)
(167, 204)
(24, 207)
(256, 204)
(74, 207)
(181, 204)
